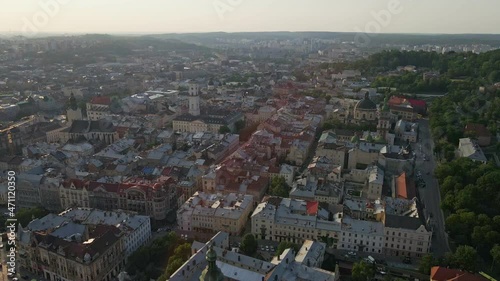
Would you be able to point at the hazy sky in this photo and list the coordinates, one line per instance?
(165, 16)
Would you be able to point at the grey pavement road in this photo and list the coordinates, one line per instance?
(430, 195)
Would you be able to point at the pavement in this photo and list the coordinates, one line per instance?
(430, 195)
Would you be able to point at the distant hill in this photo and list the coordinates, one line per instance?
(380, 38)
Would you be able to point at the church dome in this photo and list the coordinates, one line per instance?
(366, 104)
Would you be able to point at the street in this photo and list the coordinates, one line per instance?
(430, 195)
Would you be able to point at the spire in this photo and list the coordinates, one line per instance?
(211, 259)
(72, 102)
(211, 272)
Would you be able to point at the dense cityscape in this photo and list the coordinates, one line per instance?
(252, 156)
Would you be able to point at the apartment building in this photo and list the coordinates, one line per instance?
(73, 252)
(406, 236)
(205, 212)
(285, 219)
(361, 235)
(139, 195)
(98, 108)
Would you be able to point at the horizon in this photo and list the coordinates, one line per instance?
(33, 17)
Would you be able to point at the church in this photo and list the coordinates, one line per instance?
(78, 127)
(207, 120)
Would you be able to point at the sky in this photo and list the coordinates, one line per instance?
(183, 16)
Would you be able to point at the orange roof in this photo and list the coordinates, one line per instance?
(446, 274)
(312, 207)
(401, 190)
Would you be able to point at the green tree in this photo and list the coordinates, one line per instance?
(426, 263)
(224, 130)
(249, 245)
(279, 187)
(25, 216)
(465, 258)
(239, 125)
(283, 245)
(363, 271)
(495, 254)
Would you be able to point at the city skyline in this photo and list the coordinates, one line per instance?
(133, 17)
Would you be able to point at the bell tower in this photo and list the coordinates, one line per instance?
(194, 100)
(73, 112)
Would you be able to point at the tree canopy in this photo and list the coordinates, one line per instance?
(279, 187)
(283, 245)
(249, 245)
(25, 216)
(362, 271)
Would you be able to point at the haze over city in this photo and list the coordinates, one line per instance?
(180, 16)
(249, 140)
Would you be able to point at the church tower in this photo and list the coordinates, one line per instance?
(211, 272)
(384, 120)
(73, 112)
(194, 100)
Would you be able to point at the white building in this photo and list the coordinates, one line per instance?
(285, 219)
(361, 235)
(213, 212)
(406, 236)
(469, 148)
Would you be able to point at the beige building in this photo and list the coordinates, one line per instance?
(73, 193)
(98, 108)
(73, 252)
(406, 236)
(285, 219)
(212, 212)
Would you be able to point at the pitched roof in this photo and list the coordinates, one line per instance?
(395, 221)
(478, 129)
(446, 274)
(101, 100)
(312, 207)
(404, 188)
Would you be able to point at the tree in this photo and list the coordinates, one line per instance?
(25, 216)
(279, 187)
(283, 245)
(239, 125)
(249, 245)
(465, 258)
(495, 254)
(426, 263)
(363, 271)
(224, 130)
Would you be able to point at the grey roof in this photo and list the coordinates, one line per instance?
(366, 103)
(395, 221)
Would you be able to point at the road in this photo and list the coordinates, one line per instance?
(430, 195)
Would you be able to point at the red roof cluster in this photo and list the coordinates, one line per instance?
(101, 100)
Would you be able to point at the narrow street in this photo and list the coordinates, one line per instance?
(430, 195)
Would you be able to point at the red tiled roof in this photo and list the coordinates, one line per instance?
(312, 207)
(79, 184)
(478, 129)
(394, 100)
(101, 100)
(417, 103)
(445, 274)
(401, 191)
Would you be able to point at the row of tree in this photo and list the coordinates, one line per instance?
(470, 196)
(145, 263)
